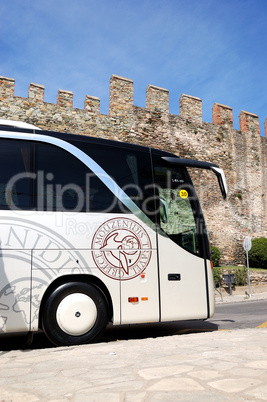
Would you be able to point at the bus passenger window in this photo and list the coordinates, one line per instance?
(130, 169)
(67, 184)
(16, 174)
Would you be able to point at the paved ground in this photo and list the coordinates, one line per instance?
(213, 366)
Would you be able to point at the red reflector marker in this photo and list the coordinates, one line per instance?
(133, 299)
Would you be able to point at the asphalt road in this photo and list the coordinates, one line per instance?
(227, 316)
(240, 315)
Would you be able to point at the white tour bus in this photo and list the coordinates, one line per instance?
(96, 231)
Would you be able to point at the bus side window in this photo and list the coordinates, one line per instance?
(66, 184)
(16, 174)
(130, 169)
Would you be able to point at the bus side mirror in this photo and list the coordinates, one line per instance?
(175, 161)
(221, 179)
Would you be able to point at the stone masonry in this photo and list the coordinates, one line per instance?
(242, 154)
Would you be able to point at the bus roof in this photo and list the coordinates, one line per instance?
(16, 126)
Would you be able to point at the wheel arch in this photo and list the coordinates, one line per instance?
(90, 279)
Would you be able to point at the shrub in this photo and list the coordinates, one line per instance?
(215, 256)
(258, 253)
(217, 275)
(241, 275)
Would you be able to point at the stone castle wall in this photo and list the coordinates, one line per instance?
(242, 154)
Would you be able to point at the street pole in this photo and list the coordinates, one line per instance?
(247, 247)
(249, 289)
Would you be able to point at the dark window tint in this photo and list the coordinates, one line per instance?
(130, 169)
(44, 177)
(16, 174)
(178, 208)
(66, 184)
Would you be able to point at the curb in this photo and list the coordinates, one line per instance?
(242, 295)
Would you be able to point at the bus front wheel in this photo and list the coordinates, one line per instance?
(74, 313)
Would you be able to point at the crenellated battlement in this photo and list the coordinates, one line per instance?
(222, 115)
(36, 92)
(157, 99)
(249, 122)
(241, 153)
(120, 95)
(191, 108)
(7, 87)
(121, 103)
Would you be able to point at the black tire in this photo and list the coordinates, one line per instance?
(74, 313)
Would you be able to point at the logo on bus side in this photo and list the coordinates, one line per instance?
(121, 248)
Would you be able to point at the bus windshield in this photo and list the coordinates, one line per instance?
(178, 207)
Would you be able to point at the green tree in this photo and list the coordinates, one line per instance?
(258, 253)
(217, 276)
(241, 276)
(215, 256)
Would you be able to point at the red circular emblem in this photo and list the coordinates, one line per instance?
(121, 248)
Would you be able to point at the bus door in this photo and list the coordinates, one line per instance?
(138, 274)
(182, 269)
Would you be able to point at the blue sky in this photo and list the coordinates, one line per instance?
(215, 50)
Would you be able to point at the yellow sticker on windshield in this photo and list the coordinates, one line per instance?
(183, 194)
